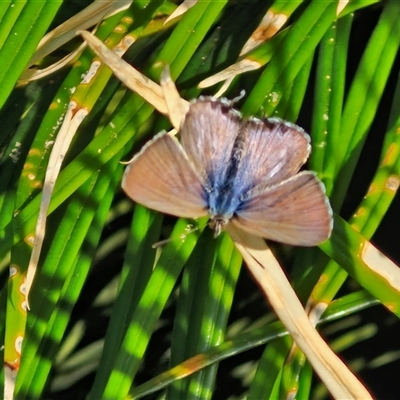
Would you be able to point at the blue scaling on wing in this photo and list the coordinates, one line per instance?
(208, 135)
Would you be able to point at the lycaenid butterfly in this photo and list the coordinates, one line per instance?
(240, 171)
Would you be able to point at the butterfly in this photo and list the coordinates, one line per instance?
(235, 170)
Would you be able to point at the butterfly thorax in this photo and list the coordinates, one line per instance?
(222, 207)
(226, 190)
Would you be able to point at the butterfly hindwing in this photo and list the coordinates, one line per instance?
(272, 150)
(208, 134)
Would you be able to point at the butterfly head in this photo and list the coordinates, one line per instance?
(218, 223)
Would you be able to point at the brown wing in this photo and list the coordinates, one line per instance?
(295, 212)
(162, 178)
(208, 134)
(272, 150)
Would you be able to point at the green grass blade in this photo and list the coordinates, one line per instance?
(25, 24)
(364, 96)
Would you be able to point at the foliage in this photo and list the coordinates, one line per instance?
(108, 312)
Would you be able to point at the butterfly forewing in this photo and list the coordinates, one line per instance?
(208, 134)
(162, 178)
(294, 211)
